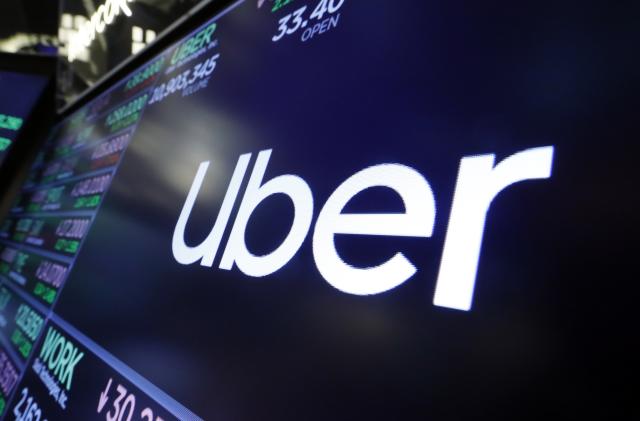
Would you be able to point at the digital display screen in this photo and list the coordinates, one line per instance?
(18, 95)
(320, 209)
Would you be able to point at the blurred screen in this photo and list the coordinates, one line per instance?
(18, 94)
(332, 209)
(96, 36)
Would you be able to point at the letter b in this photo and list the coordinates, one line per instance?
(300, 195)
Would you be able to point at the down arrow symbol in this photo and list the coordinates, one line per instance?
(104, 397)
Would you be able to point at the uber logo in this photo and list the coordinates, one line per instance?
(479, 182)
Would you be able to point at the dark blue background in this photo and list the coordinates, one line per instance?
(418, 83)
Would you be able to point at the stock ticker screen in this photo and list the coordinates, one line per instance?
(331, 209)
(18, 95)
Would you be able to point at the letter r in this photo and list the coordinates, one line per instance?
(479, 182)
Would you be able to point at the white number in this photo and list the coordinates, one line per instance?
(28, 413)
(157, 94)
(148, 414)
(116, 404)
(171, 87)
(200, 70)
(124, 410)
(297, 19)
(130, 403)
(211, 65)
(196, 73)
(16, 411)
(297, 23)
(333, 8)
(325, 6)
(282, 28)
(182, 80)
(31, 412)
(320, 10)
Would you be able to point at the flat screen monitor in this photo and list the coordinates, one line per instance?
(333, 209)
